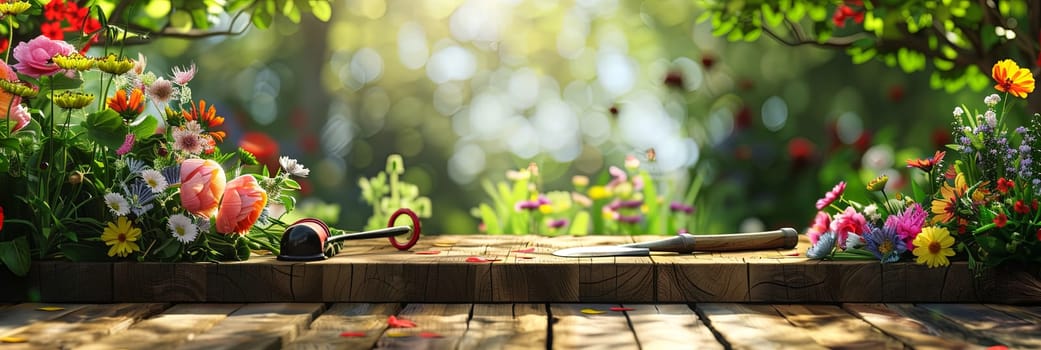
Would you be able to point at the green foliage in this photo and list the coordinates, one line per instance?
(385, 193)
(945, 38)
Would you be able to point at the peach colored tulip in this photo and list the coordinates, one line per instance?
(202, 183)
(243, 201)
(9, 108)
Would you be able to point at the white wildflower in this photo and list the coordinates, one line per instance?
(155, 180)
(291, 166)
(991, 118)
(182, 228)
(871, 212)
(117, 204)
(854, 241)
(958, 112)
(992, 100)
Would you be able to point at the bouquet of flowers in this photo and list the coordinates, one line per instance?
(87, 174)
(982, 206)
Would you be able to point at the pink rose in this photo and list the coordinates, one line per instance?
(846, 222)
(820, 225)
(34, 57)
(202, 183)
(243, 201)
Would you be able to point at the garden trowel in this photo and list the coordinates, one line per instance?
(785, 238)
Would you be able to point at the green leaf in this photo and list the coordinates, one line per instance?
(145, 127)
(773, 18)
(918, 193)
(321, 9)
(261, 18)
(490, 220)
(15, 254)
(291, 11)
(288, 201)
(9, 142)
(106, 128)
(580, 224)
(84, 251)
(291, 184)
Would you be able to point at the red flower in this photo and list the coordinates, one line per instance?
(1001, 220)
(1039, 234)
(927, 163)
(844, 12)
(1005, 185)
(127, 107)
(207, 117)
(1021, 208)
(801, 150)
(52, 30)
(1, 218)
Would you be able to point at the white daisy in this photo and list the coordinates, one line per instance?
(117, 204)
(292, 167)
(154, 179)
(182, 228)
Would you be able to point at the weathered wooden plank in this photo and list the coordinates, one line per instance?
(605, 279)
(168, 330)
(913, 333)
(573, 329)
(259, 279)
(438, 326)
(753, 326)
(681, 279)
(16, 317)
(833, 327)
(507, 326)
(363, 323)
(183, 282)
(1014, 332)
(258, 326)
(83, 326)
(943, 326)
(670, 326)
(1012, 284)
(538, 276)
(801, 280)
(909, 282)
(54, 277)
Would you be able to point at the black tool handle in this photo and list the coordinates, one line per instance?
(379, 233)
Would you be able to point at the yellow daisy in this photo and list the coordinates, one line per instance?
(933, 246)
(122, 237)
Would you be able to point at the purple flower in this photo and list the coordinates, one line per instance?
(619, 176)
(678, 207)
(531, 204)
(885, 244)
(908, 223)
(629, 219)
(34, 57)
(632, 203)
(557, 223)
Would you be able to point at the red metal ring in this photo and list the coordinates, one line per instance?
(415, 228)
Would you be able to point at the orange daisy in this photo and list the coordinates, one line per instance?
(207, 117)
(1012, 79)
(127, 107)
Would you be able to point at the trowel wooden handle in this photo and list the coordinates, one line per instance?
(785, 238)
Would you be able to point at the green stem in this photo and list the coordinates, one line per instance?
(10, 38)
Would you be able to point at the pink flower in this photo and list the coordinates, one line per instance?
(21, 117)
(243, 201)
(831, 196)
(128, 143)
(908, 224)
(202, 182)
(819, 227)
(846, 222)
(34, 57)
(183, 76)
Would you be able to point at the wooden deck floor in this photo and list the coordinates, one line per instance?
(154, 326)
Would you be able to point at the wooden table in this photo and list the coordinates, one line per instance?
(519, 269)
(151, 326)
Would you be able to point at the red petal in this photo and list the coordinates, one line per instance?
(526, 250)
(477, 259)
(619, 308)
(429, 335)
(429, 252)
(394, 322)
(350, 334)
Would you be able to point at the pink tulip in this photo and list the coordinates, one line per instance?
(35, 57)
(241, 206)
(202, 183)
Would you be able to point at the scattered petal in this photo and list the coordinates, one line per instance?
(352, 334)
(619, 308)
(13, 340)
(793, 254)
(477, 259)
(592, 311)
(429, 335)
(526, 250)
(50, 308)
(395, 322)
(525, 257)
(429, 252)
(393, 334)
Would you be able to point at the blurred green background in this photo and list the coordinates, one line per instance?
(466, 90)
